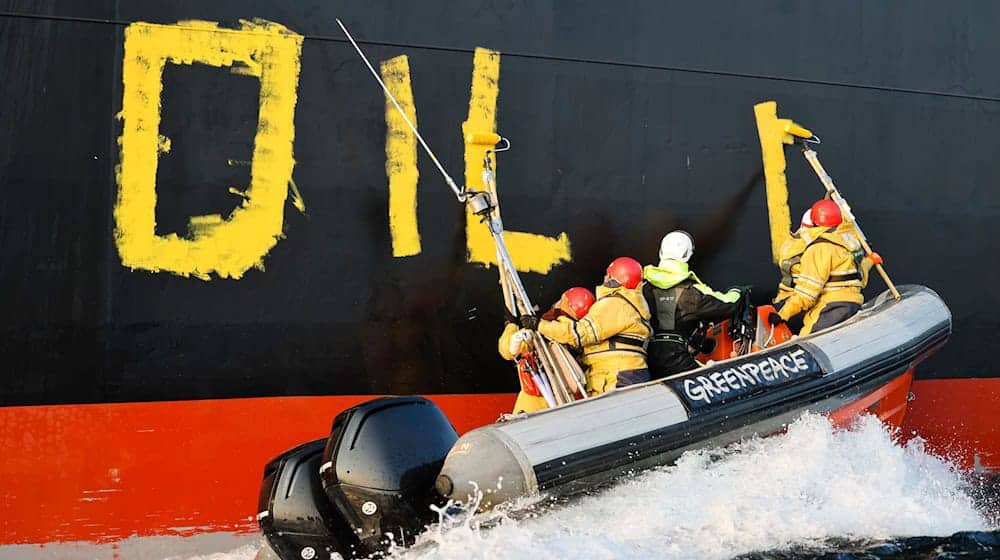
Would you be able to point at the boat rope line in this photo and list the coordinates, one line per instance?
(555, 58)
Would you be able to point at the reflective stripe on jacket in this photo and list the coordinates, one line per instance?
(680, 299)
(789, 256)
(830, 270)
(612, 336)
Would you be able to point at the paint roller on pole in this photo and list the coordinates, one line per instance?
(483, 204)
(792, 131)
(552, 386)
(563, 375)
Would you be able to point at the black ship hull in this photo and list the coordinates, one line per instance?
(210, 211)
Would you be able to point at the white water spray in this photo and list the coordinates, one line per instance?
(811, 483)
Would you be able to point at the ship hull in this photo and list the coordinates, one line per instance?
(277, 246)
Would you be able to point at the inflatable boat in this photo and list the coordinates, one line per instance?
(373, 481)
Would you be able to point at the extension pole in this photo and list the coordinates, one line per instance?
(845, 208)
(447, 178)
(484, 204)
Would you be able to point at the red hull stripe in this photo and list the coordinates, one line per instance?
(958, 419)
(101, 473)
(105, 472)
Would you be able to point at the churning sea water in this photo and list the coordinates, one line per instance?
(807, 492)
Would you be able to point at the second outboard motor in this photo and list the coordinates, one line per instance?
(295, 515)
(379, 467)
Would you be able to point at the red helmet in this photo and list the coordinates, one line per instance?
(626, 271)
(826, 213)
(576, 302)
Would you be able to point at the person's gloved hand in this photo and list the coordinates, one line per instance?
(774, 319)
(518, 340)
(742, 288)
(509, 317)
(529, 322)
(875, 258)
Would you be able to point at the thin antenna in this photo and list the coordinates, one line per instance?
(459, 193)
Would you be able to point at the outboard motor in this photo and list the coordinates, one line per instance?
(294, 514)
(371, 483)
(379, 468)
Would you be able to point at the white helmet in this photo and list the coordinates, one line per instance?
(677, 245)
(807, 219)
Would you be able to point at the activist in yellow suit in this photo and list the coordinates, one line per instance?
(614, 334)
(574, 304)
(831, 273)
(789, 256)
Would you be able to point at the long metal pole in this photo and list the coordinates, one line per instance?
(827, 181)
(553, 368)
(447, 178)
(542, 383)
(514, 292)
(493, 222)
(508, 297)
(489, 183)
(550, 369)
(551, 373)
(496, 230)
(570, 365)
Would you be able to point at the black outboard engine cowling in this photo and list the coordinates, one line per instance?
(370, 484)
(294, 513)
(379, 468)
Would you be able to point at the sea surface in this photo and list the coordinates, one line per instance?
(812, 492)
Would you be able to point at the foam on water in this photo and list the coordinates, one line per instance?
(811, 483)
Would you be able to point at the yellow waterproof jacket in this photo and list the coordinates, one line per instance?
(789, 256)
(524, 402)
(503, 345)
(613, 336)
(831, 269)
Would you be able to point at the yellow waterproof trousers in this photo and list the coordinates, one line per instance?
(529, 403)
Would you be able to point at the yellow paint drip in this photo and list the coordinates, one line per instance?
(204, 225)
(231, 246)
(772, 145)
(530, 252)
(297, 201)
(401, 159)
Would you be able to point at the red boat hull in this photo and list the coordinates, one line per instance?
(888, 403)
